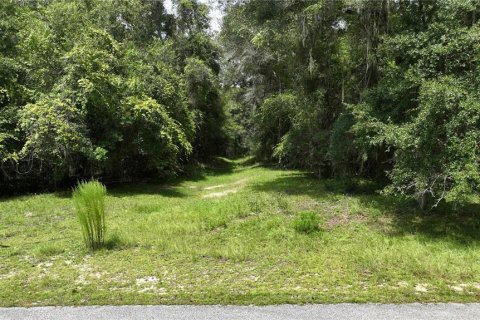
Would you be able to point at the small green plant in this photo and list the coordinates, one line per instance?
(89, 200)
(306, 222)
(47, 250)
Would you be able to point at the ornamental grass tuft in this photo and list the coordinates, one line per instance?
(89, 201)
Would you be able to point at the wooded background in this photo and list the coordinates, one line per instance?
(123, 90)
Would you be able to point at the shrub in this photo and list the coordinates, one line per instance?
(89, 200)
(306, 222)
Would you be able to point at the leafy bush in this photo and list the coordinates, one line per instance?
(82, 93)
(205, 97)
(89, 200)
(273, 123)
(306, 222)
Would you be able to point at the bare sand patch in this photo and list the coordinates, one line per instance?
(220, 194)
(237, 185)
(214, 187)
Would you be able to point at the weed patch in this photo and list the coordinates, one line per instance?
(306, 222)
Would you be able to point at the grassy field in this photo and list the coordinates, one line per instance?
(226, 236)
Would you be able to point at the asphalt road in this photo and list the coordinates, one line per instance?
(280, 312)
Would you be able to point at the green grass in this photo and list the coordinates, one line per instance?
(227, 236)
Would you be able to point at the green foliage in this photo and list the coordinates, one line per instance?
(423, 113)
(306, 222)
(205, 98)
(122, 90)
(274, 121)
(155, 139)
(237, 125)
(435, 151)
(89, 201)
(439, 145)
(342, 151)
(287, 62)
(373, 88)
(54, 131)
(126, 90)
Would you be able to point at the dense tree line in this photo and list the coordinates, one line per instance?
(108, 88)
(124, 89)
(378, 88)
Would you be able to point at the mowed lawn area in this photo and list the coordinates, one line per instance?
(226, 236)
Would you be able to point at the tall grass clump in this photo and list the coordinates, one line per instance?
(306, 222)
(89, 200)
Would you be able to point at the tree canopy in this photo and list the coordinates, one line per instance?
(117, 89)
(383, 89)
